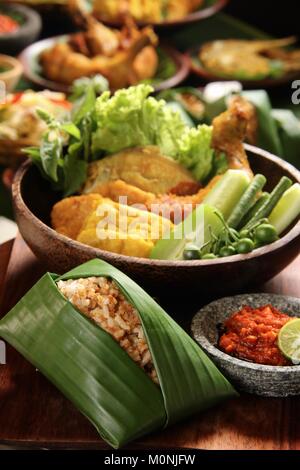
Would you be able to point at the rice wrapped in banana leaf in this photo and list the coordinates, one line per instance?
(113, 351)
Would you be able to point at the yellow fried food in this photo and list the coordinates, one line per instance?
(69, 214)
(145, 10)
(240, 58)
(118, 190)
(102, 223)
(143, 167)
(124, 57)
(229, 131)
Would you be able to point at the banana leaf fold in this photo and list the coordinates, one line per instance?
(90, 368)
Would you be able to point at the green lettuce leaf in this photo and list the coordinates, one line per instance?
(132, 118)
(195, 152)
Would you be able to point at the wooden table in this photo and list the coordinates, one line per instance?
(34, 414)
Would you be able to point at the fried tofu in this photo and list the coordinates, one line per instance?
(99, 222)
(68, 216)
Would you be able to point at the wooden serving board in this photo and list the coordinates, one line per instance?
(36, 415)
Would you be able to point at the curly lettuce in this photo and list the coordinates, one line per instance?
(132, 118)
(102, 126)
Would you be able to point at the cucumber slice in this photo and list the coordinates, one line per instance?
(195, 229)
(228, 191)
(287, 209)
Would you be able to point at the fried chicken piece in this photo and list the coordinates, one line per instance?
(124, 58)
(62, 64)
(229, 131)
(120, 69)
(98, 38)
(68, 216)
(145, 64)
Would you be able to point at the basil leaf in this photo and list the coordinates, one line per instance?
(75, 169)
(71, 129)
(86, 105)
(51, 151)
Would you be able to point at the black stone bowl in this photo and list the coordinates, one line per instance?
(27, 33)
(268, 381)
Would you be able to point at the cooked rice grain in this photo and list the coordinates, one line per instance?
(101, 300)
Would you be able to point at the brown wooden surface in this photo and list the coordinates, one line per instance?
(33, 413)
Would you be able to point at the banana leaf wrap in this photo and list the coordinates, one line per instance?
(90, 368)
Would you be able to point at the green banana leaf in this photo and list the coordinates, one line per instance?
(289, 131)
(91, 369)
(268, 137)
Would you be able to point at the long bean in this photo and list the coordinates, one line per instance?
(246, 201)
(266, 209)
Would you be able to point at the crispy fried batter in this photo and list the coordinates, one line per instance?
(247, 58)
(102, 223)
(169, 206)
(147, 11)
(144, 167)
(229, 131)
(123, 57)
(69, 215)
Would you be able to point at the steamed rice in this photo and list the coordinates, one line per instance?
(101, 300)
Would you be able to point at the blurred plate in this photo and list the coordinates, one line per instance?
(173, 66)
(208, 9)
(198, 69)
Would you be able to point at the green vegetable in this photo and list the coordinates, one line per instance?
(244, 245)
(174, 106)
(265, 234)
(288, 126)
(287, 209)
(132, 118)
(252, 211)
(195, 229)
(246, 200)
(191, 254)
(64, 151)
(209, 256)
(267, 137)
(97, 375)
(289, 340)
(273, 199)
(195, 152)
(244, 233)
(227, 251)
(225, 195)
(195, 108)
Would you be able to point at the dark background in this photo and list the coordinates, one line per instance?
(276, 17)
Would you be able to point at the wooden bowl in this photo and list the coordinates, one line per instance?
(33, 200)
(208, 9)
(11, 151)
(33, 72)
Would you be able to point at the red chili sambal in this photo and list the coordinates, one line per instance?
(8, 24)
(251, 334)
